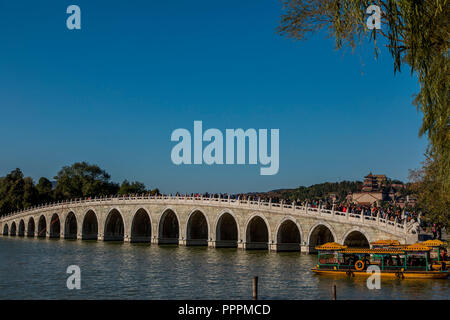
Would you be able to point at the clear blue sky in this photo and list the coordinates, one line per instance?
(112, 93)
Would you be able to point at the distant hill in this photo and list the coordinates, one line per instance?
(314, 192)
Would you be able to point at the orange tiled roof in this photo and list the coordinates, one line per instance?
(386, 242)
(416, 247)
(374, 251)
(433, 243)
(331, 246)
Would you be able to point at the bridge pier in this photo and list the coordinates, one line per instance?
(304, 248)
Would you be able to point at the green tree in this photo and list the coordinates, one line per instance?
(155, 192)
(428, 185)
(30, 193)
(11, 192)
(320, 191)
(82, 180)
(131, 188)
(45, 190)
(415, 33)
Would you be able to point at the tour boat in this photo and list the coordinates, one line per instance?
(438, 248)
(402, 262)
(438, 253)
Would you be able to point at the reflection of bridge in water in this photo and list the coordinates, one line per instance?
(215, 222)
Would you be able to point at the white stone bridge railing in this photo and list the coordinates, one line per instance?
(378, 222)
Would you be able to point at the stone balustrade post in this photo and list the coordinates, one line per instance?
(270, 203)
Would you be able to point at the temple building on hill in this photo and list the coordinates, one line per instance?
(373, 191)
(374, 182)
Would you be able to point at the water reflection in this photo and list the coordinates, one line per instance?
(36, 269)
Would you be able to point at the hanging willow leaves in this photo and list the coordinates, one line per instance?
(416, 33)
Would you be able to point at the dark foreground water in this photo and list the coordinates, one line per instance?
(36, 269)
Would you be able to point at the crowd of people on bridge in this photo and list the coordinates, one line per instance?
(389, 212)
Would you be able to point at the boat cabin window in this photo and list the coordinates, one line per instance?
(416, 260)
(327, 257)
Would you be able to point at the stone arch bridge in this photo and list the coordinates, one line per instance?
(214, 222)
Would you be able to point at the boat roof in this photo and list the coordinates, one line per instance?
(416, 247)
(331, 246)
(434, 243)
(373, 251)
(386, 242)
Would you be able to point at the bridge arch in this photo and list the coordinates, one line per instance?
(55, 226)
(319, 234)
(289, 235)
(31, 227)
(42, 227)
(227, 230)
(13, 230)
(70, 226)
(356, 238)
(257, 232)
(197, 228)
(5, 230)
(114, 226)
(141, 226)
(21, 232)
(89, 230)
(169, 227)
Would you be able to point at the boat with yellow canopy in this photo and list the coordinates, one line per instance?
(407, 262)
(438, 253)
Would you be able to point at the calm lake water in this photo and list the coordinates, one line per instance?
(36, 269)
